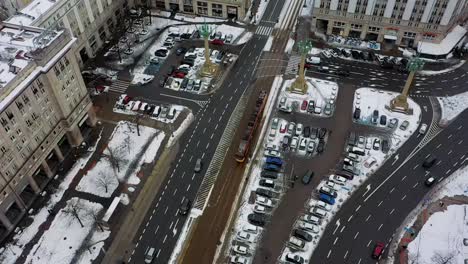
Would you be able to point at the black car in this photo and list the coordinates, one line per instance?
(320, 146)
(383, 120)
(266, 183)
(301, 234)
(295, 259)
(344, 73)
(149, 109)
(185, 207)
(184, 83)
(345, 53)
(386, 65)
(269, 174)
(385, 146)
(161, 52)
(403, 69)
(185, 36)
(196, 34)
(181, 51)
(314, 133)
(171, 70)
(307, 177)
(264, 192)
(357, 113)
(188, 61)
(257, 219)
(404, 62)
(286, 142)
(306, 131)
(322, 133)
(355, 54)
(429, 162)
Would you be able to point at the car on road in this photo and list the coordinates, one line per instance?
(307, 177)
(378, 250)
(422, 129)
(303, 235)
(257, 219)
(264, 201)
(149, 255)
(429, 162)
(404, 125)
(328, 191)
(243, 250)
(198, 165)
(430, 181)
(308, 226)
(185, 207)
(238, 260)
(295, 259)
(244, 236)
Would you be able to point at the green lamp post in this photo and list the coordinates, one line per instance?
(400, 103)
(300, 84)
(209, 68)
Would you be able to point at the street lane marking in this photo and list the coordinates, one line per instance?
(157, 228)
(172, 223)
(165, 211)
(392, 189)
(207, 145)
(447, 172)
(341, 231)
(367, 219)
(188, 187)
(380, 226)
(416, 166)
(336, 239)
(355, 236)
(368, 244)
(438, 146)
(329, 252)
(357, 209)
(165, 237)
(346, 254)
(203, 155)
(379, 203)
(159, 251)
(402, 198)
(393, 210)
(414, 186)
(349, 219)
(175, 191)
(402, 179)
(450, 152)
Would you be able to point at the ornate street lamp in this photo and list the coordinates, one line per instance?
(209, 68)
(300, 84)
(400, 103)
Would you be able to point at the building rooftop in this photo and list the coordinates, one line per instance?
(32, 12)
(446, 45)
(19, 47)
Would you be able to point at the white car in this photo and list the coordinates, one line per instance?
(303, 146)
(311, 146)
(326, 53)
(294, 142)
(369, 143)
(308, 226)
(243, 236)
(272, 134)
(422, 129)
(272, 153)
(331, 185)
(271, 146)
(297, 243)
(264, 201)
(311, 219)
(251, 229)
(337, 179)
(299, 129)
(243, 250)
(317, 110)
(274, 123)
(369, 162)
(320, 204)
(145, 80)
(259, 209)
(238, 260)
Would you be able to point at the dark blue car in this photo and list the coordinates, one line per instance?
(327, 198)
(271, 167)
(274, 160)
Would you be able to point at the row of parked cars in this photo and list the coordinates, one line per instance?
(125, 102)
(387, 62)
(308, 106)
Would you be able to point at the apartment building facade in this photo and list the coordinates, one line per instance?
(213, 8)
(91, 22)
(44, 107)
(399, 22)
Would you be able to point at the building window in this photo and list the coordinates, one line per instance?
(356, 26)
(202, 8)
(217, 10)
(338, 24)
(409, 34)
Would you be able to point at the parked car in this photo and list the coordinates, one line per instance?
(337, 179)
(301, 234)
(327, 198)
(404, 125)
(375, 116)
(369, 162)
(295, 259)
(357, 113)
(264, 192)
(244, 236)
(311, 219)
(243, 250)
(311, 147)
(376, 145)
(383, 120)
(238, 260)
(393, 123)
(307, 177)
(321, 146)
(328, 191)
(257, 219)
(217, 42)
(311, 106)
(271, 167)
(308, 226)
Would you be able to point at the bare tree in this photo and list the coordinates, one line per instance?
(127, 143)
(94, 213)
(443, 257)
(74, 208)
(115, 156)
(104, 180)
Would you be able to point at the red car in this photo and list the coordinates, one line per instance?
(283, 127)
(378, 250)
(218, 42)
(304, 105)
(127, 99)
(178, 74)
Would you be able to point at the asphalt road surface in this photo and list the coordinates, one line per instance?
(162, 225)
(375, 210)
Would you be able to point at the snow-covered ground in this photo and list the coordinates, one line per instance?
(289, 46)
(307, 8)
(67, 238)
(180, 130)
(322, 92)
(244, 38)
(456, 66)
(253, 171)
(260, 11)
(442, 238)
(452, 106)
(10, 252)
(117, 165)
(268, 44)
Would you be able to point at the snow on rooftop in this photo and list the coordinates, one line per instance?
(32, 12)
(446, 45)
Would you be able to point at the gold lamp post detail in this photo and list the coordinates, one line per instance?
(400, 103)
(209, 68)
(300, 84)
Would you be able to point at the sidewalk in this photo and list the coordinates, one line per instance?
(412, 233)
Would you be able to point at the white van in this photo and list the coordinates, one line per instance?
(313, 60)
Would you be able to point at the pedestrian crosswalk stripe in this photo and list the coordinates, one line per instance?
(119, 86)
(263, 30)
